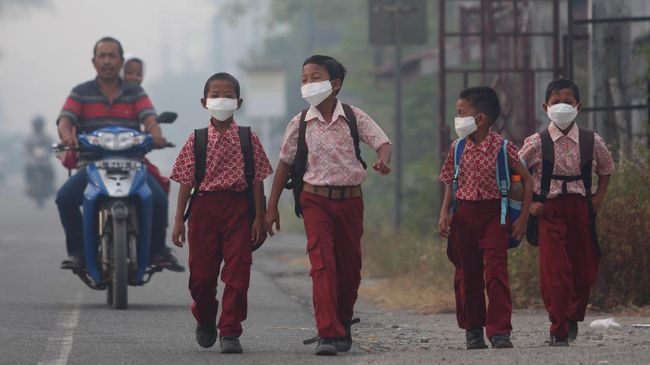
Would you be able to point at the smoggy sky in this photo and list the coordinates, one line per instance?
(45, 51)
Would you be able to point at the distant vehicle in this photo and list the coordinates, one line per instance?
(39, 173)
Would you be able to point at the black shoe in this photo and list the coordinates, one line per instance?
(175, 266)
(326, 346)
(573, 330)
(501, 342)
(167, 261)
(73, 263)
(475, 339)
(345, 344)
(206, 335)
(558, 341)
(230, 345)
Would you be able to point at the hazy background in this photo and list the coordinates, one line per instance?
(46, 49)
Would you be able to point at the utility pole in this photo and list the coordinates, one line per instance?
(398, 116)
(408, 21)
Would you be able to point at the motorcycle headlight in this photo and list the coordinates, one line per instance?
(119, 141)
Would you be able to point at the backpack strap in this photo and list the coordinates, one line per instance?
(299, 164)
(249, 168)
(458, 154)
(351, 119)
(200, 151)
(503, 178)
(548, 163)
(586, 139)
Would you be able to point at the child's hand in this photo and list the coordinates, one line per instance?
(159, 141)
(381, 167)
(444, 224)
(258, 233)
(597, 201)
(536, 209)
(518, 229)
(178, 233)
(271, 217)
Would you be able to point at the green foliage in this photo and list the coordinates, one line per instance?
(523, 274)
(387, 255)
(624, 231)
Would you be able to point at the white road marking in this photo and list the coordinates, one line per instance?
(59, 344)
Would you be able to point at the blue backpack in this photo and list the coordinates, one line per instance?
(510, 207)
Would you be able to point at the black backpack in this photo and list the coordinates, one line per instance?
(295, 181)
(586, 140)
(200, 156)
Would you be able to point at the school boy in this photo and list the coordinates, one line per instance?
(478, 241)
(321, 150)
(563, 158)
(219, 226)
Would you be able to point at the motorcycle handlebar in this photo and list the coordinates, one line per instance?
(60, 147)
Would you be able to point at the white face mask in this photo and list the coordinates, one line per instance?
(562, 115)
(221, 108)
(465, 126)
(315, 92)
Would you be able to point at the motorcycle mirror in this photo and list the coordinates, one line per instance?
(166, 117)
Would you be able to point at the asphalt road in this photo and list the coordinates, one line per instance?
(48, 316)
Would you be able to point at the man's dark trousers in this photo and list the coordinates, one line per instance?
(70, 198)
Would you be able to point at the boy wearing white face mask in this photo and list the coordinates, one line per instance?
(478, 239)
(321, 150)
(219, 228)
(563, 159)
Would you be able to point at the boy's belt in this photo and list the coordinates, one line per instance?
(333, 192)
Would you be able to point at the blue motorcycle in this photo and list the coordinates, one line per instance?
(117, 212)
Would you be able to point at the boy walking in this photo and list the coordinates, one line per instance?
(321, 150)
(221, 226)
(478, 240)
(563, 158)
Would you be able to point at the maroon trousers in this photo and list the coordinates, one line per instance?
(568, 260)
(219, 231)
(334, 229)
(478, 248)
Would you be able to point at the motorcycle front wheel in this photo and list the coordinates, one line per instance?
(120, 265)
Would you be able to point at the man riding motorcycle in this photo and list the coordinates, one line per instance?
(39, 174)
(102, 102)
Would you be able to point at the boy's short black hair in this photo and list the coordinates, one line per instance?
(559, 84)
(484, 99)
(221, 76)
(109, 39)
(333, 67)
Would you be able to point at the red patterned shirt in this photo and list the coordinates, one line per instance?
(224, 163)
(478, 168)
(567, 160)
(331, 159)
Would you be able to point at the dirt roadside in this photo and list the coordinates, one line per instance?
(427, 333)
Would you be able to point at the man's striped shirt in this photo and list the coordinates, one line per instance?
(89, 109)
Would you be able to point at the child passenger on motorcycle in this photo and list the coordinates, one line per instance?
(219, 228)
(133, 71)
